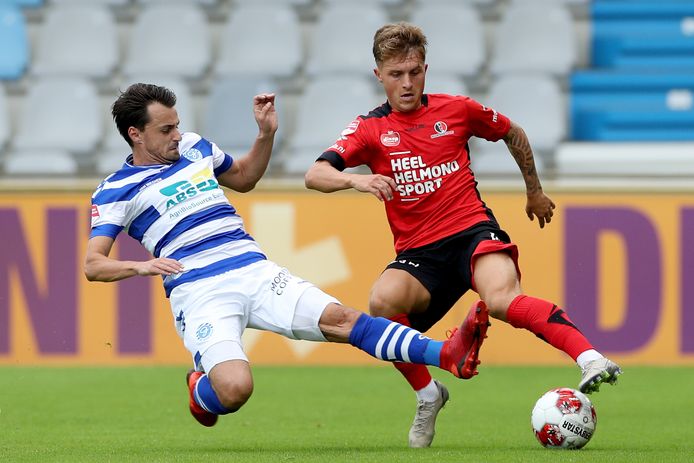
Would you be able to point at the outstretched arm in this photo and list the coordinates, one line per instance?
(325, 178)
(538, 204)
(245, 172)
(99, 267)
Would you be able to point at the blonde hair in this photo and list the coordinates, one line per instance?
(398, 39)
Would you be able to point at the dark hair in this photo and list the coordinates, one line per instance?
(398, 39)
(130, 108)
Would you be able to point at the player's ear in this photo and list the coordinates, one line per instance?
(134, 135)
(377, 73)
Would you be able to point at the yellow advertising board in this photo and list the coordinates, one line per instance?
(621, 265)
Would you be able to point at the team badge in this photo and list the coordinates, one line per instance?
(192, 155)
(441, 129)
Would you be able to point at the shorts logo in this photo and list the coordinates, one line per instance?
(203, 332)
(390, 139)
(95, 211)
(192, 155)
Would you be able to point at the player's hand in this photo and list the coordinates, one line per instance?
(378, 185)
(265, 114)
(159, 266)
(539, 205)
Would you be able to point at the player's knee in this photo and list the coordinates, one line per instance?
(497, 303)
(233, 393)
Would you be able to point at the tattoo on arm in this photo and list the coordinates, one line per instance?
(519, 146)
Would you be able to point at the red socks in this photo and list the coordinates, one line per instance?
(417, 375)
(548, 322)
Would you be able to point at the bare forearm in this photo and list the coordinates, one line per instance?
(254, 164)
(325, 178)
(107, 269)
(519, 146)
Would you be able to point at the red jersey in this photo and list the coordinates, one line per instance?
(426, 152)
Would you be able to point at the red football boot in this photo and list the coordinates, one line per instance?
(203, 417)
(460, 351)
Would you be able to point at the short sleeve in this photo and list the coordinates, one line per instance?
(485, 122)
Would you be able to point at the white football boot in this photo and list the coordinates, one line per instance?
(596, 372)
(422, 430)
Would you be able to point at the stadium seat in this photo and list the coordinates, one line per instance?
(536, 103)
(61, 113)
(444, 83)
(642, 35)
(40, 162)
(91, 2)
(319, 122)
(110, 160)
(184, 106)
(535, 36)
(228, 119)
(172, 39)
(629, 159)
(456, 38)
(4, 118)
(632, 106)
(76, 40)
(342, 39)
(14, 52)
(261, 56)
(276, 2)
(25, 3)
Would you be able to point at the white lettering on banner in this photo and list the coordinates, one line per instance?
(414, 177)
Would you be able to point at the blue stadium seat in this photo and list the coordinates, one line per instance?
(24, 3)
(643, 34)
(14, 52)
(631, 106)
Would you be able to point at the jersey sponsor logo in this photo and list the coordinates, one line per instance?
(390, 139)
(192, 155)
(185, 189)
(95, 211)
(441, 129)
(350, 129)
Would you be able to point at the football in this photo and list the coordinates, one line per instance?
(563, 418)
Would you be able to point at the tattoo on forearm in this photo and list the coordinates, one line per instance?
(519, 146)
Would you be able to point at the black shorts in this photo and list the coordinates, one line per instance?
(445, 267)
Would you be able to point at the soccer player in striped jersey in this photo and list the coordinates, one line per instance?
(168, 196)
(447, 240)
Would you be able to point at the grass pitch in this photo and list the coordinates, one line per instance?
(331, 414)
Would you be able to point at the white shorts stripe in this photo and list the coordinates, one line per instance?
(382, 340)
(390, 353)
(405, 346)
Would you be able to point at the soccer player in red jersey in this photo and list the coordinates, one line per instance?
(446, 239)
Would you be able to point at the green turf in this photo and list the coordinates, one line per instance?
(311, 414)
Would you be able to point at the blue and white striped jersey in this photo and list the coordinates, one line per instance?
(178, 211)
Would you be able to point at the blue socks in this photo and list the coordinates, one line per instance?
(391, 341)
(206, 397)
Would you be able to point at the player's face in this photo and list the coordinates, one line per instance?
(403, 81)
(158, 142)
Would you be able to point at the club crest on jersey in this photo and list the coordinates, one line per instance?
(441, 129)
(390, 139)
(350, 129)
(192, 155)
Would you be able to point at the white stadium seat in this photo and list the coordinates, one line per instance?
(320, 121)
(444, 83)
(228, 119)
(171, 39)
(278, 54)
(60, 113)
(4, 118)
(44, 161)
(76, 40)
(342, 39)
(455, 34)
(535, 36)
